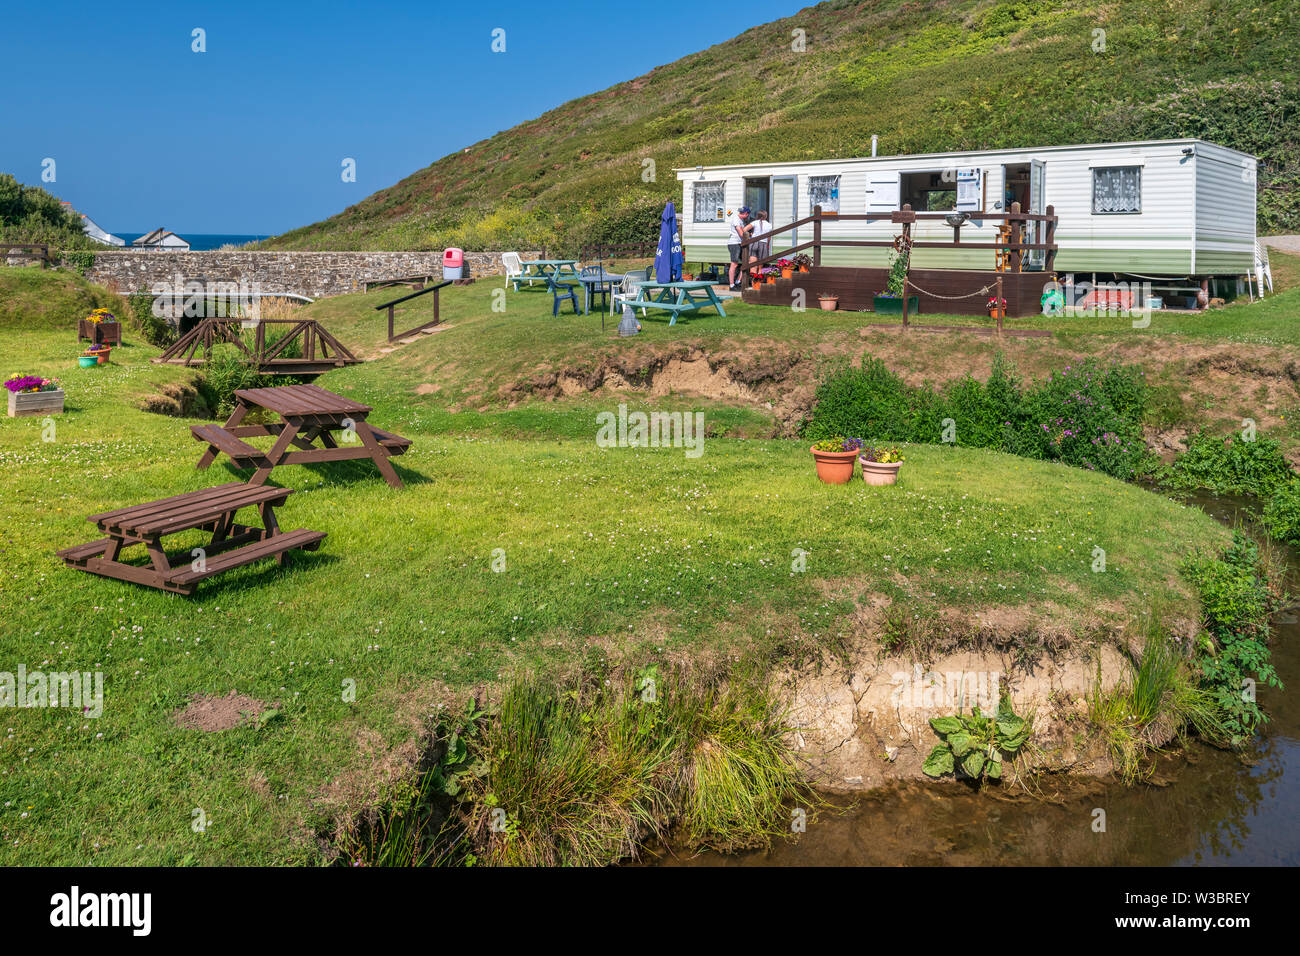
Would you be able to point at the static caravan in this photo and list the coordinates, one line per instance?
(1165, 209)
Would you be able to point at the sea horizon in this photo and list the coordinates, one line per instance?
(202, 241)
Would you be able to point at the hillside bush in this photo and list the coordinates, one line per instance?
(1086, 415)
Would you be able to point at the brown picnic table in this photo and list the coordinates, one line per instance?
(308, 413)
(233, 544)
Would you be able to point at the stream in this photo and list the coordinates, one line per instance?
(1203, 807)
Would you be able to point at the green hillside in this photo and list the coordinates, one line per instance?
(926, 77)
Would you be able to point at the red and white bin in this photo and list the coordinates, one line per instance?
(453, 264)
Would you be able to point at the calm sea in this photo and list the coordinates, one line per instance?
(199, 241)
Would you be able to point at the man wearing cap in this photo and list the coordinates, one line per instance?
(735, 236)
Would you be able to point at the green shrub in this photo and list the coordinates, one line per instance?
(1282, 512)
(1085, 416)
(1236, 603)
(1230, 465)
(223, 374)
(156, 331)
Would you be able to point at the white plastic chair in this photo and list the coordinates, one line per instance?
(514, 269)
(629, 292)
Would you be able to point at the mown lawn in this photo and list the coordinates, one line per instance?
(609, 555)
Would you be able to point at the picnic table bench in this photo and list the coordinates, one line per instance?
(233, 544)
(678, 298)
(308, 414)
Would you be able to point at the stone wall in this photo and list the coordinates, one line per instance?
(312, 274)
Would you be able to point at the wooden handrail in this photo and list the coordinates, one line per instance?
(391, 305)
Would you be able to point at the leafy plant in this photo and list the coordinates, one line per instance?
(975, 746)
(838, 443)
(1236, 603)
(1230, 465)
(1282, 512)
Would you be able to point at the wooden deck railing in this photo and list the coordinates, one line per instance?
(905, 217)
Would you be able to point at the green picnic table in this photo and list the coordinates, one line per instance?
(678, 297)
(548, 270)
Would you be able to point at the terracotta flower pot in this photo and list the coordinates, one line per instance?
(787, 273)
(878, 473)
(803, 268)
(997, 313)
(758, 283)
(771, 280)
(829, 305)
(834, 467)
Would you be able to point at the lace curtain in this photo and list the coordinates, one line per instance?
(1117, 189)
(708, 202)
(824, 191)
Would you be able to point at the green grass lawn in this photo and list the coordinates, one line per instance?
(610, 555)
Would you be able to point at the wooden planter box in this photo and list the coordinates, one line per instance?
(35, 403)
(100, 333)
(888, 305)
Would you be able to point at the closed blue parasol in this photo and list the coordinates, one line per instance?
(668, 257)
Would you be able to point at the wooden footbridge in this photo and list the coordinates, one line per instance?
(304, 348)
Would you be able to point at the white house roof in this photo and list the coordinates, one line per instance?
(157, 238)
(894, 157)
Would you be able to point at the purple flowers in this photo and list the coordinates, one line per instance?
(30, 383)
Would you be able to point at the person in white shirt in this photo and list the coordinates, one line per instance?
(737, 232)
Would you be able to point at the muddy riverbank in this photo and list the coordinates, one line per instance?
(1201, 806)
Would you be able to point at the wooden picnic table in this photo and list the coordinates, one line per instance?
(308, 414)
(679, 298)
(211, 509)
(548, 270)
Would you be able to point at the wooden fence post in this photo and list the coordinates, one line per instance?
(1001, 308)
(1049, 237)
(1017, 237)
(817, 235)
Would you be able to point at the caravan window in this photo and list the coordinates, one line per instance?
(1116, 189)
(709, 202)
(824, 191)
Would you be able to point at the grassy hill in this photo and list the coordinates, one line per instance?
(962, 74)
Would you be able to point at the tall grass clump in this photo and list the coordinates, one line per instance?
(585, 775)
(1162, 697)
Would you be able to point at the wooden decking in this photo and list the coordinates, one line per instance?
(941, 291)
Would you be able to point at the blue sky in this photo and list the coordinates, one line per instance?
(249, 136)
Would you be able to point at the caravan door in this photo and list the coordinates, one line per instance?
(883, 191)
(1037, 258)
(785, 210)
